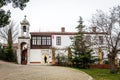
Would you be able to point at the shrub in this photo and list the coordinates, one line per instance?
(7, 54)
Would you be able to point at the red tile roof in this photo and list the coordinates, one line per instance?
(63, 33)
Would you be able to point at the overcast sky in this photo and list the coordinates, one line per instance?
(51, 15)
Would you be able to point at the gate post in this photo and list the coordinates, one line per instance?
(53, 56)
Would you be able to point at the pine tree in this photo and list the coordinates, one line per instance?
(80, 49)
(5, 15)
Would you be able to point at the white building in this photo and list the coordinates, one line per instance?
(35, 48)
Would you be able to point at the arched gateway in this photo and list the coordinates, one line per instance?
(24, 57)
(24, 53)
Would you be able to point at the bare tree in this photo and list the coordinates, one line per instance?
(96, 39)
(9, 33)
(110, 23)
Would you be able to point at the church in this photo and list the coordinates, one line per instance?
(44, 47)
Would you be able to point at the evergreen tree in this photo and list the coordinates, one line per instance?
(5, 15)
(9, 54)
(80, 49)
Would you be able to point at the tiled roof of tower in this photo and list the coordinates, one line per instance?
(25, 21)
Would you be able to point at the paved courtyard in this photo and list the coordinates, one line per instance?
(10, 71)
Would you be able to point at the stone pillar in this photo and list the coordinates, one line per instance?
(53, 56)
(18, 56)
(19, 52)
(28, 51)
(100, 56)
(69, 56)
(28, 56)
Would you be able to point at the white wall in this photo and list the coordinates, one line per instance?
(35, 55)
(65, 41)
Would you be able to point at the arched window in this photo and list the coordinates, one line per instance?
(24, 28)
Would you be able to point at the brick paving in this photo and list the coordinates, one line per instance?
(10, 71)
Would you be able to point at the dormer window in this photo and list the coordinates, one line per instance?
(24, 28)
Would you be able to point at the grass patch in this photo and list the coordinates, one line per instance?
(101, 74)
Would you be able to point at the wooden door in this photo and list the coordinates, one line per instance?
(24, 57)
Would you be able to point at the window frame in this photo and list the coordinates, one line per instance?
(101, 40)
(34, 40)
(41, 40)
(58, 40)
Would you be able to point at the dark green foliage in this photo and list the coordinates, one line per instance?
(4, 16)
(80, 48)
(15, 3)
(62, 60)
(7, 54)
(2, 54)
(106, 62)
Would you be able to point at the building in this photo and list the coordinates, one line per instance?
(44, 47)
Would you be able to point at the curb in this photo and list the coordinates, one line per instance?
(90, 78)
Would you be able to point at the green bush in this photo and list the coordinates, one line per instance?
(7, 54)
(106, 62)
(2, 54)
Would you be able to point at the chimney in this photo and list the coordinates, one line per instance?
(93, 29)
(63, 29)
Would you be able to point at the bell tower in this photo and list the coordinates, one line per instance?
(25, 28)
(23, 53)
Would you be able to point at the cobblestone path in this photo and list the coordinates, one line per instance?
(10, 71)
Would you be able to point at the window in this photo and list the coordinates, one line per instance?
(48, 40)
(94, 40)
(41, 40)
(38, 40)
(58, 40)
(100, 39)
(24, 28)
(34, 40)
